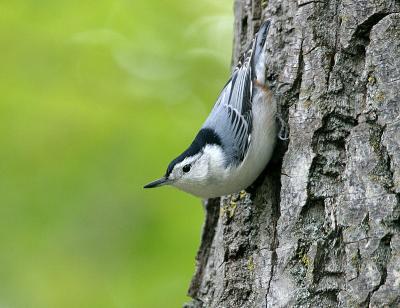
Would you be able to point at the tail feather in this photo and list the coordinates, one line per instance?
(258, 56)
(261, 37)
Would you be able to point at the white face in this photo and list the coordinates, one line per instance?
(196, 173)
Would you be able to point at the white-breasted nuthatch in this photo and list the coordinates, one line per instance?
(237, 139)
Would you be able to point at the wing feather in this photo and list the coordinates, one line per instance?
(231, 117)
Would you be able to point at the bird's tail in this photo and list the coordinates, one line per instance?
(258, 56)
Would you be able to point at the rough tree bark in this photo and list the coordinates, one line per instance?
(321, 228)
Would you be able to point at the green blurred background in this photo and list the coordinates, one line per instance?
(96, 98)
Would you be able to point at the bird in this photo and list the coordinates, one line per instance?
(237, 139)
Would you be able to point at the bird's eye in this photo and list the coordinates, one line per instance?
(186, 168)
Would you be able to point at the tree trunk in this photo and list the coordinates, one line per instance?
(321, 227)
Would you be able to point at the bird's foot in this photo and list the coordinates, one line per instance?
(283, 133)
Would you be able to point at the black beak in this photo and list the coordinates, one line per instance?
(157, 183)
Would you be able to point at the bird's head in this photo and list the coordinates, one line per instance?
(196, 169)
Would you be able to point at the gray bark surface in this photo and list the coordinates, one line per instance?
(321, 227)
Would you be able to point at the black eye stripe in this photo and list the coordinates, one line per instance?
(186, 168)
(204, 137)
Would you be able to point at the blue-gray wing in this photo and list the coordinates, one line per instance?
(231, 117)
